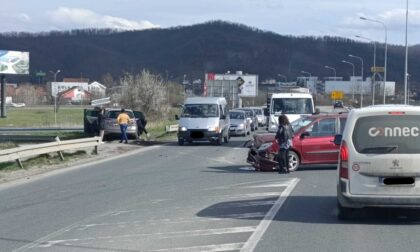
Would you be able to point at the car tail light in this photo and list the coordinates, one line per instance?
(344, 161)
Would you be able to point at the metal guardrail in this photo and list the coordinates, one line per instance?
(16, 154)
(26, 138)
(14, 129)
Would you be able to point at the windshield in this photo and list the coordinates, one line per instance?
(292, 106)
(236, 115)
(200, 110)
(387, 134)
(258, 111)
(301, 122)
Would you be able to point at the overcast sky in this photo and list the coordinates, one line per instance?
(285, 17)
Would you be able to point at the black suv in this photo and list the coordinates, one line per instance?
(338, 104)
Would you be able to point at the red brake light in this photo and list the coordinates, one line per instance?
(344, 158)
(344, 152)
(396, 113)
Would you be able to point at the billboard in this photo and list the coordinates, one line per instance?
(245, 85)
(14, 62)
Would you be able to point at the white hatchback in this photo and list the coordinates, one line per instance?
(379, 160)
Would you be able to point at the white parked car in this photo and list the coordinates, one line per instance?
(379, 159)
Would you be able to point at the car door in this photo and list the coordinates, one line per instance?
(317, 143)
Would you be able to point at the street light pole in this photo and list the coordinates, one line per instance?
(352, 88)
(335, 72)
(374, 66)
(55, 96)
(361, 85)
(406, 57)
(386, 47)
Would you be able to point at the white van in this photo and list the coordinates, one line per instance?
(204, 119)
(294, 105)
(379, 160)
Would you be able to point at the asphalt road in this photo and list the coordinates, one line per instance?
(197, 197)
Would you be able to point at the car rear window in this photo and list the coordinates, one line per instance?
(114, 114)
(387, 134)
(258, 111)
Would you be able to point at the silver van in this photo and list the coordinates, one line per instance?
(204, 119)
(379, 159)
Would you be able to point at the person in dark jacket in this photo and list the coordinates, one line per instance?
(141, 126)
(284, 139)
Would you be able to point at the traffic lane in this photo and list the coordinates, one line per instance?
(37, 211)
(308, 221)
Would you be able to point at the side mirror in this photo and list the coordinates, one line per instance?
(304, 134)
(223, 117)
(337, 139)
(317, 111)
(176, 117)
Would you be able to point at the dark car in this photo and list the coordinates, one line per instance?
(338, 104)
(312, 143)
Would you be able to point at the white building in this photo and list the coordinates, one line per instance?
(97, 88)
(56, 87)
(355, 86)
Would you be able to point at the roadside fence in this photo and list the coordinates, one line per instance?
(18, 153)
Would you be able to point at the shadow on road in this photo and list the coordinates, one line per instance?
(310, 209)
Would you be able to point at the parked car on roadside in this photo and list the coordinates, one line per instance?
(312, 143)
(239, 125)
(110, 125)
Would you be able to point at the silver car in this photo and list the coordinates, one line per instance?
(111, 127)
(239, 125)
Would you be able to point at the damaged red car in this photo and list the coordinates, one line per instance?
(312, 143)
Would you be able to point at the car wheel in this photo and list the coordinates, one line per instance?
(180, 142)
(294, 161)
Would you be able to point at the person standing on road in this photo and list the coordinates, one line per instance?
(141, 126)
(284, 139)
(123, 119)
(101, 123)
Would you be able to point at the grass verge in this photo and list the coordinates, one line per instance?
(41, 160)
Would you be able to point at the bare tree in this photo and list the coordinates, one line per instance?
(28, 94)
(146, 92)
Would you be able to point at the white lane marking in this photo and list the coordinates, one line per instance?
(262, 227)
(247, 195)
(246, 183)
(269, 185)
(248, 168)
(162, 235)
(208, 248)
(221, 160)
(42, 240)
(246, 204)
(174, 221)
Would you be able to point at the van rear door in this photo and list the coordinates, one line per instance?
(385, 154)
